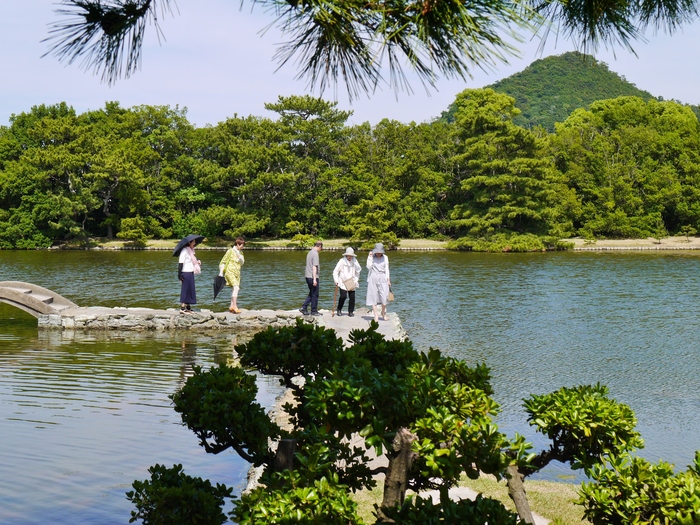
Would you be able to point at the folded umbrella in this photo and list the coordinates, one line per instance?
(219, 282)
(185, 241)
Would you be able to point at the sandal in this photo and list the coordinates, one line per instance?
(184, 310)
(385, 317)
(234, 310)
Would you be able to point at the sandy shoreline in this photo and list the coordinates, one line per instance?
(648, 244)
(651, 244)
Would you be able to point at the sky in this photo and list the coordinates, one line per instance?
(216, 62)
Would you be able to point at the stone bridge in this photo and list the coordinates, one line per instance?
(33, 299)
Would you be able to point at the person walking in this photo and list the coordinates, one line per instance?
(346, 276)
(230, 269)
(378, 281)
(188, 265)
(311, 274)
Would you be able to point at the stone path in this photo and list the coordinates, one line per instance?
(147, 319)
(344, 324)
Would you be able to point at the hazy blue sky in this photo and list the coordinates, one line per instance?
(215, 62)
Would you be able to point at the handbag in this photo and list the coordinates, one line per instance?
(349, 284)
(390, 297)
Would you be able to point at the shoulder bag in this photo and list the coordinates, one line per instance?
(349, 284)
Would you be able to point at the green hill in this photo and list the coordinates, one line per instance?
(549, 89)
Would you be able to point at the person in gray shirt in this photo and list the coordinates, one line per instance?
(313, 270)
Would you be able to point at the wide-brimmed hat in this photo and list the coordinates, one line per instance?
(349, 251)
(378, 248)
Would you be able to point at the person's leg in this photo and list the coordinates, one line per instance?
(384, 316)
(234, 300)
(351, 303)
(307, 301)
(187, 293)
(183, 294)
(375, 312)
(314, 295)
(341, 301)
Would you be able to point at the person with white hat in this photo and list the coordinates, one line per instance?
(378, 281)
(346, 276)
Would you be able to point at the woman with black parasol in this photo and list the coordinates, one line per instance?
(188, 265)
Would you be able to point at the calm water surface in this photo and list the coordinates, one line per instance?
(82, 416)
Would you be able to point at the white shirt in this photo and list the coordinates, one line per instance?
(186, 261)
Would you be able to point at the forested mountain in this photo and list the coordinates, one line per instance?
(549, 89)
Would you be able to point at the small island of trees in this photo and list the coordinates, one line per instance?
(622, 168)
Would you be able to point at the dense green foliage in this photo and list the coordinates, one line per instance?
(430, 417)
(171, 497)
(509, 185)
(481, 511)
(550, 89)
(633, 165)
(623, 168)
(583, 425)
(219, 407)
(631, 490)
(292, 498)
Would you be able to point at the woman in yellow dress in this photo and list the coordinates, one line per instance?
(230, 269)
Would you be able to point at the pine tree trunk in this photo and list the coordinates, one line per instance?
(516, 491)
(396, 481)
(284, 457)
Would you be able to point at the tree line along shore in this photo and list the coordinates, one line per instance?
(624, 168)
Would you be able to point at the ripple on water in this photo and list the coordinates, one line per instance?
(540, 321)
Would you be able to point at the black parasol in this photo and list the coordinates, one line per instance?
(184, 242)
(219, 282)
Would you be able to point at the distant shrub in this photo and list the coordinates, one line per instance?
(505, 242)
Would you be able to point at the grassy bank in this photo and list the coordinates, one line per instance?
(552, 500)
(650, 243)
(667, 243)
(251, 243)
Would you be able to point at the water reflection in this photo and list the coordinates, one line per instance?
(85, 414)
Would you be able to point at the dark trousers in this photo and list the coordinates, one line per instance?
(341, 301)
(187, 291)
(312, 298)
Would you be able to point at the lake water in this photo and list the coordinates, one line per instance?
(82, 417)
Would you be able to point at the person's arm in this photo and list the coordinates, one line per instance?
(388, 278)
(358, 269)
(224, 262)
(314, 268)
(370, 261)
(181, 263)
(336, 272)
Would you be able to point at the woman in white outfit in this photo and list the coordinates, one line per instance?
(378, 281)
(347, 270)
